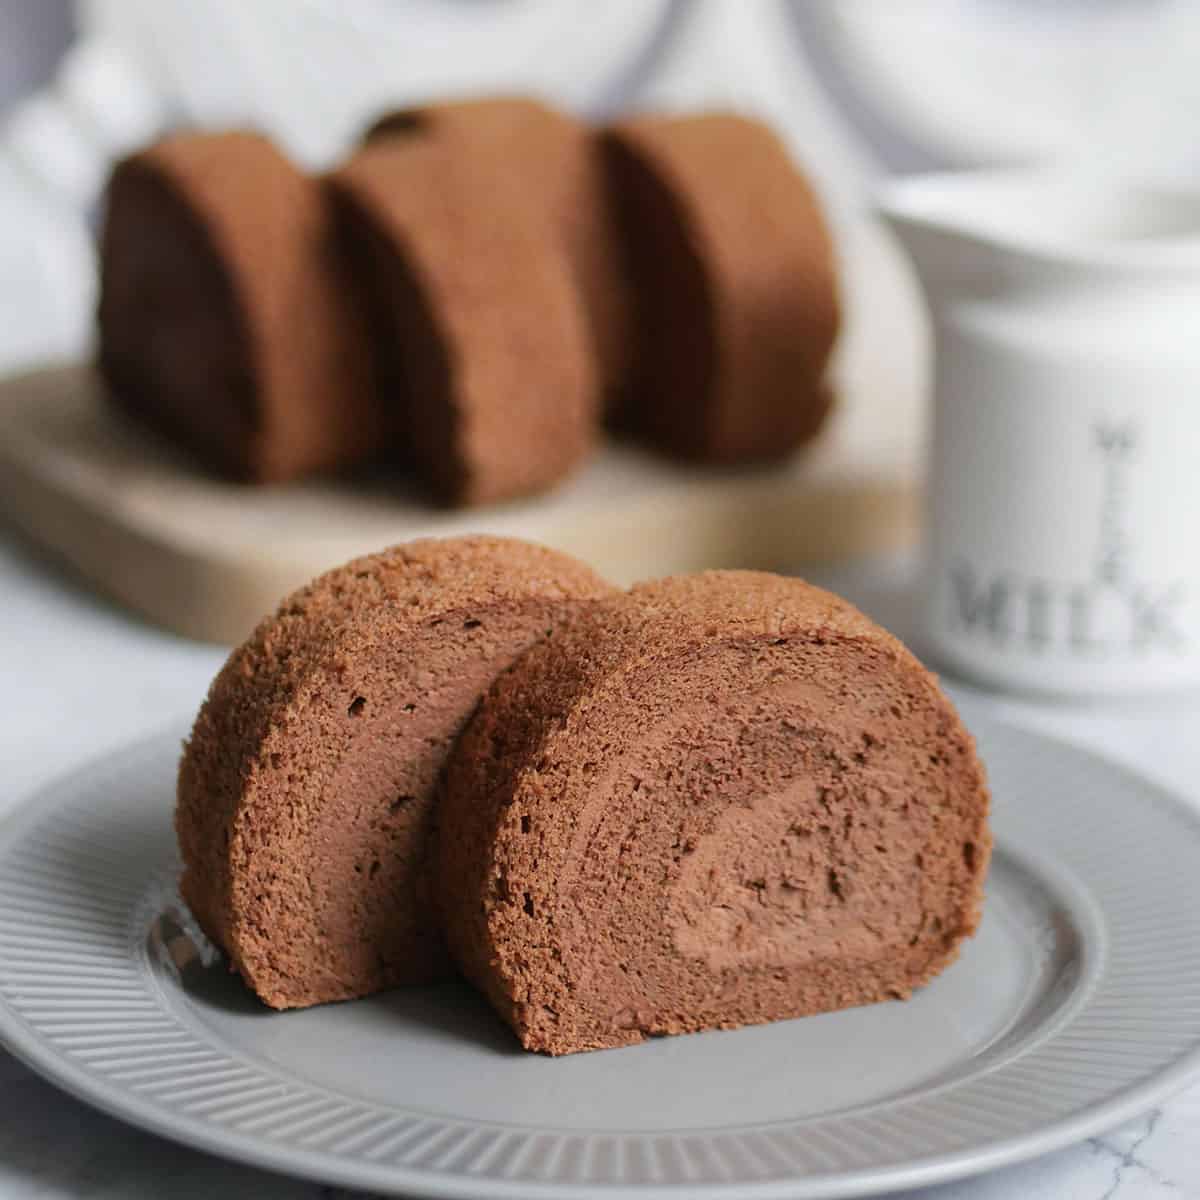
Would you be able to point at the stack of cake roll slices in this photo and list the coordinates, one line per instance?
(472, 295)
(709, 801)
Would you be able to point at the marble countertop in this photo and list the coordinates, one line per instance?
(79, 678)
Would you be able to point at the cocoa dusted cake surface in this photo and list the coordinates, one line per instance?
(733, 282)
(483, 349)
(714, 801)
(224, 317)
(555, 157)
(305, 790)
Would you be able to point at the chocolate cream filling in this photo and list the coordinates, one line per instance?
(330, 896)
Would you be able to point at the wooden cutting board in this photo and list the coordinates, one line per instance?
(207, 559)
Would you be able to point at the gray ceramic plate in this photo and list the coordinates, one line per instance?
(1076, 1007)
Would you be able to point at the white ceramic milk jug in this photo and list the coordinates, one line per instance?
(1064, 488)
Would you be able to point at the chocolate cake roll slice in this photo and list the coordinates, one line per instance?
(715, 801)
(732, 274)
(224, 319)
(483, 349)
(306, 787)
(554, 155)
